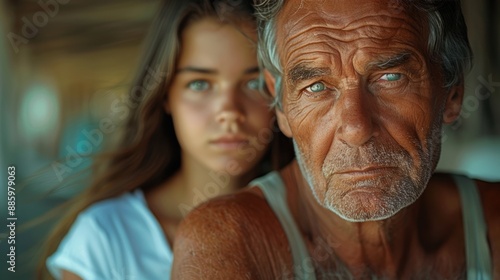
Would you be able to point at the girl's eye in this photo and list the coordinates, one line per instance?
(391, 77)
(253, 84)
(316, 87)
(199, 85)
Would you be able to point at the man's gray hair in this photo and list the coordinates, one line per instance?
(447, 43)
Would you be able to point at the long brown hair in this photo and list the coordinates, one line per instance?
(149, 152)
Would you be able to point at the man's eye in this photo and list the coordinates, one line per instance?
(198, 85)
(253, 84)
(391, 77)
(316, 87)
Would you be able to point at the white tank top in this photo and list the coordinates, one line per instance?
(478, 257)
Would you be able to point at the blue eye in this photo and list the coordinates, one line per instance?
(316, 87)
(253, 84)
(391, 77)
(198, 85)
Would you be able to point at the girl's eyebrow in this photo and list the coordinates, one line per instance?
(212, 71)
(196, 70)
(252, 70)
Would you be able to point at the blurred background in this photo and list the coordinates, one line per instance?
(64, 70)
(65, 67)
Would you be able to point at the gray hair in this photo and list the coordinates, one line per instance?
(448, 43)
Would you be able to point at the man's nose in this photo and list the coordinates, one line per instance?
(355, 111)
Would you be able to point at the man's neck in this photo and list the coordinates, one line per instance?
(379, 246)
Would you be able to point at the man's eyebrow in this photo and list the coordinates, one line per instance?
(389, 61)
(302, 72)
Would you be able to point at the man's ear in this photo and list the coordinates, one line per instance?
(282, 120)
(453, 103)
(283, 123)
(270, 82)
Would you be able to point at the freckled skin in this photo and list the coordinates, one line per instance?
(360, 93)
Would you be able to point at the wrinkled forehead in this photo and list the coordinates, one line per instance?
(346, 20)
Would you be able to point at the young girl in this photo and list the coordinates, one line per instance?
(198, 128)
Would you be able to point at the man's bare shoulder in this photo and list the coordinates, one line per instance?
(443, 199)
(234, 211)
(228, 237)
(230, 206)
(490, 198)
(443, 186)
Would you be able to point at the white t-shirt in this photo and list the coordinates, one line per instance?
(117, 238)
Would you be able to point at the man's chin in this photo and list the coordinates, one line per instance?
(363, 216)
(362, 206)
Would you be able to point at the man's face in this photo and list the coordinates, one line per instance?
(363, 102)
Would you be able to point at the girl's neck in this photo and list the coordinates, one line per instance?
(192, 185)
(203, 185)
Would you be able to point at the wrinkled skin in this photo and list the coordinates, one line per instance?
(364, 104)
(368, 139)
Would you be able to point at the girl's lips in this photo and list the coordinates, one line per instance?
(229, 142)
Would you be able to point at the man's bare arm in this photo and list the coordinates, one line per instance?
(232, 237)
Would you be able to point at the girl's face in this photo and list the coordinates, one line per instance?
(222, 121)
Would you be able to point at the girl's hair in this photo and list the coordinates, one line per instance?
(149, 152)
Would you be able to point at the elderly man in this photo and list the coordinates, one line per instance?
(362, 88)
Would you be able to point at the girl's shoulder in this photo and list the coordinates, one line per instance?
(125, 204)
